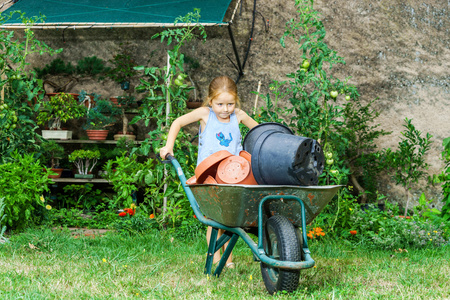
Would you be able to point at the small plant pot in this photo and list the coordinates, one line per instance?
(233, 170)
(115, 101)
(98, 135)
(129, 137)
(84, 176)
(58, 173)
(57, 134)
(193, 104)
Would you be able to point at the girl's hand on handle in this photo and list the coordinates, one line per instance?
(164, 151)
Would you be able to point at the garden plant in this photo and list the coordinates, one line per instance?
(21, 89)
(84, 160)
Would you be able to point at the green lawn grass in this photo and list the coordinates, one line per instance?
(41, 264)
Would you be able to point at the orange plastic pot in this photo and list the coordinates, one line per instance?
(233, 170)
(250, 178)
(210, 180)
(209, 165)
(192, 180)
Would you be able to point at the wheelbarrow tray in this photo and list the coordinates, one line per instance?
(237, 205)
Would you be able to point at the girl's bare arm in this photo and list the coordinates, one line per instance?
(199, 114)
(245, 119)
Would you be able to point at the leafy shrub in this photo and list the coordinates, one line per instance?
(22, 183)
(127, 175)
(444, 178)
(74, 217)
(386, 230)
(21, 88)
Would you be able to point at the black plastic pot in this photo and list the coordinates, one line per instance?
(281, 158)
(253, 135)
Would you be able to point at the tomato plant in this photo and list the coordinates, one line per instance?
(22, 90)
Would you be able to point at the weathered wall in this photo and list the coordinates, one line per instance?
(396, 52)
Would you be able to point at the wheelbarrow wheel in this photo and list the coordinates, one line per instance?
(280, 242)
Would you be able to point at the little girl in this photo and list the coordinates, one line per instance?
(219, 119)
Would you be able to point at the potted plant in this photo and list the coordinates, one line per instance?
(52, 153)
(123, 69)
(60, 108)
(100, 117)
(125, 102)
(85, 161)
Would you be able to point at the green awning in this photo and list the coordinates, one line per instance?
(117, 13)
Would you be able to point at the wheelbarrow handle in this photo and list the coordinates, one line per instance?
(168, 160)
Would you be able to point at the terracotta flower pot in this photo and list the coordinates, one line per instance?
(233, 170)
(250, 178)
(115, 101)
(97, 135)
(209, 165)
(210, 180)
(192, 180)
(58, 171)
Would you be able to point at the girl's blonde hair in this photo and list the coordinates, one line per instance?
(221, 85)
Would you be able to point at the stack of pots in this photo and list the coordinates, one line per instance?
(224, 168)
(278, 157)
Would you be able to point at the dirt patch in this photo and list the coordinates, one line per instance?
(80, 232)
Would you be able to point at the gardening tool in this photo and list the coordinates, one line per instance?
(276, 214)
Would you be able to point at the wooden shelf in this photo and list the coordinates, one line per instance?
(80, 180)
(90, 142)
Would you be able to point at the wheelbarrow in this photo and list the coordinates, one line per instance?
(276, 214)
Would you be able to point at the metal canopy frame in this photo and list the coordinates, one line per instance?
(90, 25)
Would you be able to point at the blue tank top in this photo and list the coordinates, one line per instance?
(219, 136)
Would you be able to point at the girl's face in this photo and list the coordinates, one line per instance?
(223, 106)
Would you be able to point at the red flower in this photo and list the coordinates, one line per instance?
(353, 232)
(122, 214)
(130, 211)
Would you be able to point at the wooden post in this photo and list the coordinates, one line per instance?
(256, 99)
(3, 88)
(168, 109)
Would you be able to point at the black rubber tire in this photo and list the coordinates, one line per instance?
(280, 242)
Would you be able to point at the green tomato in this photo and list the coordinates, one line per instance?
(13, 126)
(178, 82)
(304, 70)
(2, 116)
(329, 155)
(164, 136)
(181, 77)
(14, 119)
(7, 126)
(305, 64)
(334, 172)
(5, 106)
(330, 161)
(334, 94)
(347, 98)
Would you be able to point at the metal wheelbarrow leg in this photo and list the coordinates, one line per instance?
(215, 245)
